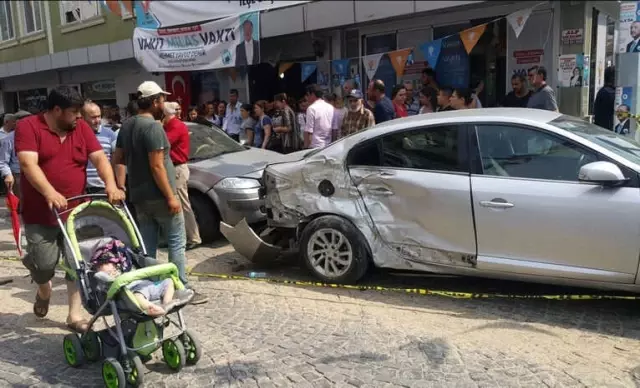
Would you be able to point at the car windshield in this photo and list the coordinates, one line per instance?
(623, 146)
(208, 142)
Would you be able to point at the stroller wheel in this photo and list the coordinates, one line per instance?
(113, 374)
(73, 352)
(92, 345)
(192, 347)
(174, 354)
(135, 372)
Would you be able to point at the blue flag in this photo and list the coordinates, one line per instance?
(307, 69)
(341, 67)
(431, 52)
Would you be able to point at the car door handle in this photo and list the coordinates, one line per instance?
(386, 173)
(380, 191)
(496, 204)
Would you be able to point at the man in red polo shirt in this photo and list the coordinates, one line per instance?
(53, 149)
(178, 135)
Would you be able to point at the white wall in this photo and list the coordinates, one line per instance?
(128, 83)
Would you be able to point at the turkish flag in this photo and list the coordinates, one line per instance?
(179, 85)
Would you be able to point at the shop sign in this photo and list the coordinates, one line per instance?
(163, 14)
(573, 36)
(100, 90)
(527, 57)
(230, 42)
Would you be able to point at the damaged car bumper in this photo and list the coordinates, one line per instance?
(247, 243)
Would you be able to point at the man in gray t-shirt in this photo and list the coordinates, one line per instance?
(543, 97)
(143, 148)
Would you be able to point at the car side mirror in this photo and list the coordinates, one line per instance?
(604, 173)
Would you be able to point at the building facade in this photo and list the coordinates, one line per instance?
(76, 43)
(43, 44)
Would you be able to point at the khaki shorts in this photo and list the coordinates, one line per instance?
(45, 246)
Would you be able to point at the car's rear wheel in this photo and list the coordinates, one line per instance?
(207, 217)
(334, 250)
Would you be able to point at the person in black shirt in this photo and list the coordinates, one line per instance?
(519, 96)
(444, 99)
(605, 100)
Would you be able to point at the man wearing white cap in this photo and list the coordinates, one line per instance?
(143, 147)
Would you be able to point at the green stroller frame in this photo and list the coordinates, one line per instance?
(134, 336)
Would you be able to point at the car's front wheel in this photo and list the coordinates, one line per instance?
(206, 216)
(334, 250)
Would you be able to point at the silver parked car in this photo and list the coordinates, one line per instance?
(517, 194)
(225, 179)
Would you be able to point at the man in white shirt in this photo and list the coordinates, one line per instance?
(247, 52)
(8, 124)
(317, 129)
(232, 117)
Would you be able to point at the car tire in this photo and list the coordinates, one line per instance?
(349, 256)
(207, 217)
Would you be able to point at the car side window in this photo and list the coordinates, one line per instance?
(431, 148)
(365, 154)
(513, 151)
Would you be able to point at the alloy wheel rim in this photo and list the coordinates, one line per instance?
(330, 252)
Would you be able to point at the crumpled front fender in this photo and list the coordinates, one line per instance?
(247, 243)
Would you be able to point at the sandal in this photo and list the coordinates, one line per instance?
(41, 306)
(81, 326)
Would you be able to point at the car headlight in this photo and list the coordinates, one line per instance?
(238, 184)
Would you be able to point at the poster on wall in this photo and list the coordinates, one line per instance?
(623, 124)
(162, 14)
(570, 70)
(532, 48)
(230, 42)
(572, 36)
(453, 63)
(629, 30)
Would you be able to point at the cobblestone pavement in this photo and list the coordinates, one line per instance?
(258, 334)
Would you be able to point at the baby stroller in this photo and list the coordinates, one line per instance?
(134, 336)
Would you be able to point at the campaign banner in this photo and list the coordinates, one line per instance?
(570, 70)
(230, 42)
(163, 14)
(629, 37)
(623, 124)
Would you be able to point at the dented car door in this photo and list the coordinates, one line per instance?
(416, 188)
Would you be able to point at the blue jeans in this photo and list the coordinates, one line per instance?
(153, 218)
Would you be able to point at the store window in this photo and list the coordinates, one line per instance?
(6, 22)
(101, 92)
(33, 100)
(78, 11)
(32, 16)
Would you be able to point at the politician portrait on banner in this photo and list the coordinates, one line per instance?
(248, 50)
(225, 43)
(629, 35)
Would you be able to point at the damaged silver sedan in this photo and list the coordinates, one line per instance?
(507, 193)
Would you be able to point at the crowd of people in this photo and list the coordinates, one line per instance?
(286, 125)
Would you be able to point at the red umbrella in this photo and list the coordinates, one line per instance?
(12, 202)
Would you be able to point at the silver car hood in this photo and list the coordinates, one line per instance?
(238, 163)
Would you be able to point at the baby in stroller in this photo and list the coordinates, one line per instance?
(116, 279)
(110, 261)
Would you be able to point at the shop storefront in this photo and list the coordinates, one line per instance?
(109, 84)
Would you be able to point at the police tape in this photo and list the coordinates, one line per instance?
(418, 291)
